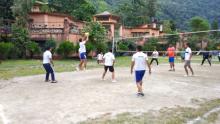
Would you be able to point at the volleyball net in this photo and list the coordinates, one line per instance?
(127, 45)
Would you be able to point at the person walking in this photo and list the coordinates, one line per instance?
(138, 64)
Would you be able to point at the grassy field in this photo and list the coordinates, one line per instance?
(178, 115)
(17, 68)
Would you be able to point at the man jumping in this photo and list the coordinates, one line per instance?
(139, 62)
(82, 53)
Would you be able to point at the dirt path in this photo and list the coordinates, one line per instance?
(82, 95)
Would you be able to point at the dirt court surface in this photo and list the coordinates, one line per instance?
(82, 95)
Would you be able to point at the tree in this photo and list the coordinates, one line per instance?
(20, 38)
(200, 24)
(80, 9)
(33, 48)
(65, 48)
(152, 8)
(97, 36)
(50, 43)
(215, 26)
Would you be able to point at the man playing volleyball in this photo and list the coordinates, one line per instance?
(171, 55)
(188, 57)
(109, 61)
(139, 62)
(82, 52)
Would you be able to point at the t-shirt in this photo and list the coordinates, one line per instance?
(171, 52)
(46, 57)
(206, 54)
(82, 47)
(188, 52)
(100, 57)
(155, 54)
(109, 58)
(139, 59)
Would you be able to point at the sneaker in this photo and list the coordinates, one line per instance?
(142, 94)
(114, 81)
(53, 81)
(47, 80)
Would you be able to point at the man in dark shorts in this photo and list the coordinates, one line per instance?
(109, 61)
(206, 56)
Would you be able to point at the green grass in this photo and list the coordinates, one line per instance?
(178, 115)
(17, 68)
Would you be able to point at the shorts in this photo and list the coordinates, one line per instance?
(82, 56)
(110, 68)
(171, 59)
(139, 75)
(187, 62)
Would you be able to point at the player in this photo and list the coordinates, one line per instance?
(154, 55)
(82, 52)
(100, 58)
(188, 57)
(206, 56)
(171, 55)
(138, 64)
(109, 61)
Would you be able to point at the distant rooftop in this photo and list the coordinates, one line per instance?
(106, 13)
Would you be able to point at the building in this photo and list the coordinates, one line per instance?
(109, 21)
(45, 25)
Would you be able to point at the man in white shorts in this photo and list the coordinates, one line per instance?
(139, 63)
(188, 57)
(109, 61)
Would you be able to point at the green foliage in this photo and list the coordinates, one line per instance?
(5, 50)
(33, 48)
(199, 24)
(173, 38)
(20, 39)
(65, 48)
(97, 37)
(50, 43)
(151, 44)
(215, 26)
(80, 9)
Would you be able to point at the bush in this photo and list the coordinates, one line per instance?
(50, 43)
(65, 48)
(151, 44)
(5, 50)
(33, 48)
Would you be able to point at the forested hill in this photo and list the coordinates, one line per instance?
(178, 10)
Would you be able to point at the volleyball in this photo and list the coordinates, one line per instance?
(87, 33)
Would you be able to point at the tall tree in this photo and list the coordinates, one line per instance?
(152, 8)
(80, 9)
(199, 24)
(215, 26)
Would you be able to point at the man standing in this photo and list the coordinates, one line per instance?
(47, 62)
(219, 56)
(171, 55)
(139, 62)
(188, 57)
(206, 56)
(100, 58)
(155, 55)
(82, 53)
(109, 61)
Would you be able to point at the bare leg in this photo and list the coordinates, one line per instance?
(103, 75)
(139, 87)
(191, 70)
(85, 63)
(81, 64)
(187, 73)
(113, 75)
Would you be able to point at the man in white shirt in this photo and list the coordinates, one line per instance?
(188, 57)
(47, 62)
(109, 61)
(219, 56)
(139, 64)
(155, 55)
(82, 53)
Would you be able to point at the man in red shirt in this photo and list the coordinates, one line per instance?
(171, 55)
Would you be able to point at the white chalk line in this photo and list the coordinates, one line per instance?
(2, 115)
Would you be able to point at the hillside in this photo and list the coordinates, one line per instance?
(178, 10)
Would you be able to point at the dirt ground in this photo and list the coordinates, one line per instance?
(82, 95)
